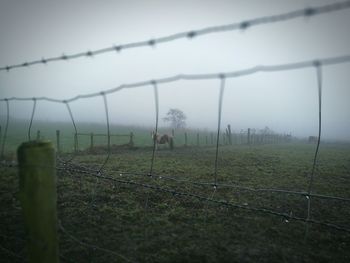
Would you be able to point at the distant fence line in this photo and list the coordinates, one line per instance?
(182, 138)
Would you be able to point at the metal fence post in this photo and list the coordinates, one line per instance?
(38, 197)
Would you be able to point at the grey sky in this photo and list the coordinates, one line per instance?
(286, 101)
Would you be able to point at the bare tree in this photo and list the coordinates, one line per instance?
(176, 118)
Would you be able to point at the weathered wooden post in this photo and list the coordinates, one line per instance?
(131, 141)
(38, 135)
(185, 138)
(38, 197)
(229, 134)
(248, 136)
(91, 141)
(58, 141)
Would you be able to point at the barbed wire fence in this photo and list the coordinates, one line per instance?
(76, 170)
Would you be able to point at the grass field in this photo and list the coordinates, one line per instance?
(18, 131)
(140, 224)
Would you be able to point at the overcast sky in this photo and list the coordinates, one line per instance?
(284, 101)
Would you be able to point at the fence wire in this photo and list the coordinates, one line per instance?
(242, 25)
(71, 168)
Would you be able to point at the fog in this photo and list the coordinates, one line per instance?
(284, 101)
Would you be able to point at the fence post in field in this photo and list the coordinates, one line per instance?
(38, 135)
(229, 134)
(197, 139)
(248, 136)
(185, 138)
(58, 141)
(131, 141)
(91, 141)
(38, 197)
(75, 142)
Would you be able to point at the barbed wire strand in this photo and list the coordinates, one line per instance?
(108, 132)
(220, 202)
(31, 118)
(233, 74)
(242, 25)
(6, 128)
(229, 185)
(155, 133)
(65, 167)
(221, 95)
(219, 185)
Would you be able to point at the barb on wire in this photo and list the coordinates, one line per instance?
(221, 95)
(108, 132)
(233, 74)
(6, 128)
(243, 25)
(155, 133)
(31, 118)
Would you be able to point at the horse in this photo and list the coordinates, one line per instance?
(163, 139)
(313, 139)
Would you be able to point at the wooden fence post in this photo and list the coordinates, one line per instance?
(38, 135)
(229, 134)
(58, 141)
(38, 197)
(131, 141)
(248, 136)
(91, 141)
(185, 138)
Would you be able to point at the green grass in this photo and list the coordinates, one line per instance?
(172, 228)
(18, 131)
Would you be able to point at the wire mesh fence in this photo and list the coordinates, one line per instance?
(143, 206)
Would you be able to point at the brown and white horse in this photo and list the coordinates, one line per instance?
(163, 139)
